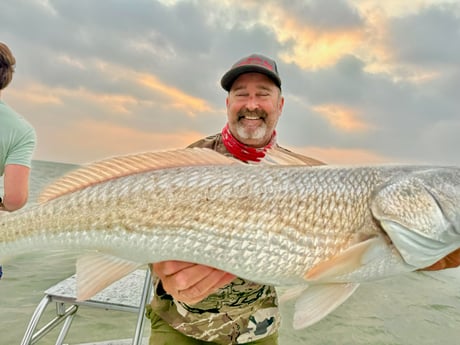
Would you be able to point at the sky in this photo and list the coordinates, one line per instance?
(365, 82)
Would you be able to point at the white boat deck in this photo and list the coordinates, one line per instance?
(123, 295)
(129, 294)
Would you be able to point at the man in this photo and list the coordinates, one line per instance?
(196, 304)
(17, 143)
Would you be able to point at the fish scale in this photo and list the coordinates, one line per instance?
(276, 225)
(176, 197)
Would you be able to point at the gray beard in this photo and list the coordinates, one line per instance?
(259, 133)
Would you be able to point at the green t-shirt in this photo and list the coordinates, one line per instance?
(17, 138)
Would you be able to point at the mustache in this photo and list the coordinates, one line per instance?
(253, 113)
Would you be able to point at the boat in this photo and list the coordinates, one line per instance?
(129, 294)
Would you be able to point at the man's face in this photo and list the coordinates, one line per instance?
(254, 105)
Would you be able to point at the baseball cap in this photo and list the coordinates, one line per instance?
(253, 63)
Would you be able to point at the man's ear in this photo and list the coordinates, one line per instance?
(281, 105)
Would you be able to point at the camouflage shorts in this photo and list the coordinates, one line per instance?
(164, 334)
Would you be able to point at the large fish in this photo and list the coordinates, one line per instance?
(326, 228)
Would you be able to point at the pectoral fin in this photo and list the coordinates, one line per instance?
(97, 271)
(320, 300)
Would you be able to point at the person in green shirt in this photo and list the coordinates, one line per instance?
(17, 143)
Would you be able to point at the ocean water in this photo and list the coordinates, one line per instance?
(414, 309)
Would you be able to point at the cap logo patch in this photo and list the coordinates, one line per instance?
(256, 61)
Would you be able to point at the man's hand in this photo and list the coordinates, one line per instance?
(450, 261)
(188, 282)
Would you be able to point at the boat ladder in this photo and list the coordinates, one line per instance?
(130, 294)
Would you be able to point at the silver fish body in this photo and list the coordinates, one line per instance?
(277, 225)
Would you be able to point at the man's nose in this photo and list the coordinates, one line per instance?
(252, 103)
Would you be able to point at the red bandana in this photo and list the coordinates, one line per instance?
(243, 152)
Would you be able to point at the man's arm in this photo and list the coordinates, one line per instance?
(450, 261)
(188, 282)
(195, 282)
(16, 186)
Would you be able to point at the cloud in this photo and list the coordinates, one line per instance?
(370, 78)
(339, 156)
(90, 140)
(427, 39)
(342, 117)
(189, 104)
(313, 34)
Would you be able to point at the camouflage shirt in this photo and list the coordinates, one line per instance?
(240, 312)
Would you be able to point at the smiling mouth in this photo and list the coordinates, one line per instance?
(252, 115)
(247, 117)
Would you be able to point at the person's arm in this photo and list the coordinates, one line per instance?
(450, 261)
(188, 282)
(195, 282)
(16, 187)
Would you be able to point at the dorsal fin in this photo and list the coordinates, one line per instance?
(279, 157)
(117, 167)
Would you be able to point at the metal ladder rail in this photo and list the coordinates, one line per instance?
(146, 295)
(63, 315)
(67, 315)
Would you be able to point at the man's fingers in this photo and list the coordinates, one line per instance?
(206, 286)
(188, 277)
(226, 279)
(453, 259)
(450, 261)
(167, 268)
(188, 282)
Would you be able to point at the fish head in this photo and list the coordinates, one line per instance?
(420, 212)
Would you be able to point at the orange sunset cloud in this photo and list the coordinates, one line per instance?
(342, 117)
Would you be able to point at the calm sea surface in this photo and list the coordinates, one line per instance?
(416, 309)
